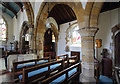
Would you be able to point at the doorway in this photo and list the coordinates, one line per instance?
(49, 44)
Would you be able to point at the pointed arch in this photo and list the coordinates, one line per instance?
(30, 13)
(25, 27)
(92, 12)
(42, 16)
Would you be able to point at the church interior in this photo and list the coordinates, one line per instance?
(65, 42)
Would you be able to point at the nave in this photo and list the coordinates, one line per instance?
(59, 42)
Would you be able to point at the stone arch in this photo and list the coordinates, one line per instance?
(42, 16)
(25, 27)
(30, 13)
(115, 30)
(56, 33)
(92, 12)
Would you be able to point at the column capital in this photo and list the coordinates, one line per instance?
(88, 31)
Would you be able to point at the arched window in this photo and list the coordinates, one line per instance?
(53, 37)
(2, 29)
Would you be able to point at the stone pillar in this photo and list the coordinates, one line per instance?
(87, 48)
(31, 42)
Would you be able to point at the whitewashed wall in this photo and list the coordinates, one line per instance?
(17, 23)
(62, 41)
(36, 5)
(8, 19)
(106, 21)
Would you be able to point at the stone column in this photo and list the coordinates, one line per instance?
(87, 48)
(31, 32)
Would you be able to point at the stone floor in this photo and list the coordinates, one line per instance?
(6, 78)
(2, 64)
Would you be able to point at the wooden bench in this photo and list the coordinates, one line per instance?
(43, 71)
(64, 76)
(19, 71)
(18, 66)
(40, 72)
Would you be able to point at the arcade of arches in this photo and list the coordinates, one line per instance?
(35, 30)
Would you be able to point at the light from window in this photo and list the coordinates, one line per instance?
(84, 2)
(76, 38)
(2, 30)
(53, 37)
(26, 37)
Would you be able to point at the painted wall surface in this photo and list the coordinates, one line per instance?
(17, 24)
(62, 41)
(107, 20)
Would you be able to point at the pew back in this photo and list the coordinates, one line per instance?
(17, 71)
(65, 71)
(27, 80)
(62, 57)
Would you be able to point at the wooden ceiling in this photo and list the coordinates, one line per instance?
(62, 13)
(11, 8)
(109, 6)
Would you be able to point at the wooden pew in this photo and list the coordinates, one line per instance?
(64, 62)
(17, 70)
(27, 79)
(62, 57)
(60, 74)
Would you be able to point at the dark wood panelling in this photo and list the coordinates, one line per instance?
(62, 13)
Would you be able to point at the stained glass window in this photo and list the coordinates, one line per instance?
(76, 38)
(53, 37)
(2, 29)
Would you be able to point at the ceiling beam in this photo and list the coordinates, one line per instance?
(20, 5)
(60, 10)
(64, 8)
(9, 8)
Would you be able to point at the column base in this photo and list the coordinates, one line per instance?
(89, 80)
